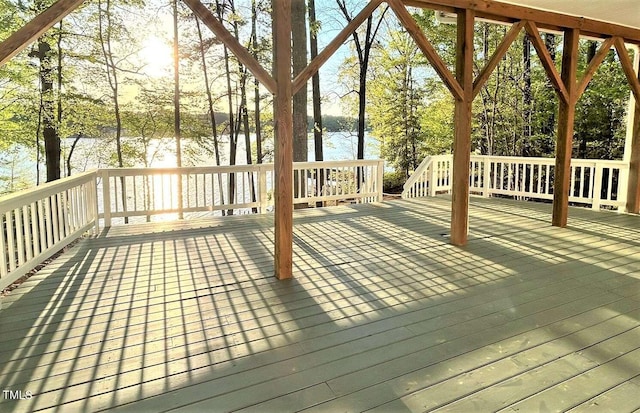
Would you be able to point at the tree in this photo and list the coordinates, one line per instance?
(363, 44)
(45, 54)
(396, 101)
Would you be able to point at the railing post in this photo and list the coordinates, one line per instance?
(262, 189)
(486, 177)
(597, 187)
(106, 197)
(380, 180)
(623, 183)
(433, 177)
(94, 203)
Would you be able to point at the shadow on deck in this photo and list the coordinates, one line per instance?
(383, 314)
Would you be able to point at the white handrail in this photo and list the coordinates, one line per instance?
(147, 192)
(592, 182)
(37, 223)
(431, 177)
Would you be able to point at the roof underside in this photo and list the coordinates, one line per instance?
(622, 12)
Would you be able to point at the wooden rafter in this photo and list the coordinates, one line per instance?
(23, 37)
(232, 43)
(594, 64)
(497, 57)
(547, 61)
(423, 43)
(627, 66)
(495, 10)
(334, 45)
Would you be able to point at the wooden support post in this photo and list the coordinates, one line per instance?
(462, 139)
(633, 189)
(566, 115)
(283, 165)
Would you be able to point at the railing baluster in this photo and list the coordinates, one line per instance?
(17, 216)
(610, 186)
(4, 268)
(11, 242)
(26, 224)
(35, 229)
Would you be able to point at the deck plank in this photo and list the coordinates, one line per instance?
(383, 314)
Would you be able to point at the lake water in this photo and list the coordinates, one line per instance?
(18, 167)
(337, 146)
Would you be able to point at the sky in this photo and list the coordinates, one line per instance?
(157, 52)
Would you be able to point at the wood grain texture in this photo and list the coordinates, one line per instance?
(548, 63)
(239, 51)
(566, 119)
(627, 67)
(496, 10)
(497, 56)
(430, 53)
(334, 45)
(22, 38)
(604, 49)
(462, 139)
(633, 190)
(185, 316)
(283, 162)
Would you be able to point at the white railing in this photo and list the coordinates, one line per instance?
(40, 222)
(146, 192)
(433, 176)
(592, 182)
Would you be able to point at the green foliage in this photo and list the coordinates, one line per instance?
(396, 94)
(515, 113)
(393, 182)
(601, 112)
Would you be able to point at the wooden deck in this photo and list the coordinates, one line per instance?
(383, 315)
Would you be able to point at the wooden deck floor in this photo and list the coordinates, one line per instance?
(383, 315)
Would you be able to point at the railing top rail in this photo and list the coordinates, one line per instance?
(184, 169)
(329, 164)
(27, 196)
(551, 161)
(234, 168)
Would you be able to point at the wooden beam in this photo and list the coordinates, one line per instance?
(462, 138)
(239, 51)
(593, 65)
(566, 116)
(283, 165)
(423, 43)
(627, 67)
(501, 50)
(24, 36)
(499, 11)
(334, 45)
(547, 62)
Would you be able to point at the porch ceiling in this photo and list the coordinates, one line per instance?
(622, 12)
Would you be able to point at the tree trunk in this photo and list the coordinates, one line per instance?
(47, 105)
(112, 77)
(256, 84)
(316, 98)
(212, 114)
(526, 95)
(176, 105)
(49, 130)
(233, 143)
